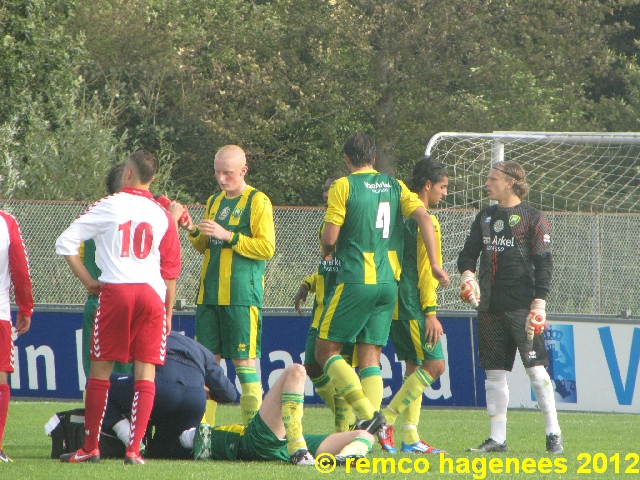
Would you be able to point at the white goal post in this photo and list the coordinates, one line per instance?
(588, 184)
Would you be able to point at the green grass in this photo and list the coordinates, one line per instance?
(453, 430)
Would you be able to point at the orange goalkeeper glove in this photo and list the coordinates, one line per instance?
(537, 319)
(469, 289)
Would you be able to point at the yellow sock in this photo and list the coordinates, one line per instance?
(411, 390)
(410, 433)
(348, 385)
(411, 420)
(251, 397)
(325, 390)
(210, 413)
(359, 446)
(341, 414)
(292, 410)
(372, 385)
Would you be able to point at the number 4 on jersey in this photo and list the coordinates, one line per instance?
(383, 219)
(142, 239)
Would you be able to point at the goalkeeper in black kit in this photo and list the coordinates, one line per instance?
(513, 242)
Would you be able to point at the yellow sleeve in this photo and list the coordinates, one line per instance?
(337, 203)
(311, 282)
(81, 252)
(427, 284)
(262, 245)
(409, 201)
(198, 240)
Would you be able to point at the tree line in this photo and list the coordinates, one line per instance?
(84, 83)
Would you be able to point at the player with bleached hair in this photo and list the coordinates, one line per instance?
(513, 242)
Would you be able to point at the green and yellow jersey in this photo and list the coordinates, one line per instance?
(417, 289)
(233, 272)
(87, 253)
(367, 206)
(321, 283)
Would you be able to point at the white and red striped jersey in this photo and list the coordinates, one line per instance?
(136, 239)
(14, 268)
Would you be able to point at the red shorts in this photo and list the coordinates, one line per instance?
(130, 325)
(6, 347)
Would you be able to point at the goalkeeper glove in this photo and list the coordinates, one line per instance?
(537, 319)
(469, 289)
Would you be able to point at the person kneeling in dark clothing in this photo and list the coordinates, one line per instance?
(180, 397)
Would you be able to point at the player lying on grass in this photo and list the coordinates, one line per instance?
(275, 433)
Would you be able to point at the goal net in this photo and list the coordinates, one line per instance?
(588, 184)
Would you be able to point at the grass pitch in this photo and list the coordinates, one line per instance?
(605, 446)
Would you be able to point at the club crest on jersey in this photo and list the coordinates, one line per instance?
(237, 213)
(498, 226)
(514, 220)
(224, 213)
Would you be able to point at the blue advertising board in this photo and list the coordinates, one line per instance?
(48, 358)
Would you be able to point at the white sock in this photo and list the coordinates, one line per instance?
(543, 390)
(123, 431)
(497, 392)
(186, 438)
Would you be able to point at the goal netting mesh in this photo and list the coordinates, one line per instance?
(588, 185)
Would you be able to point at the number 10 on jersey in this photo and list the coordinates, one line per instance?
(140, 244)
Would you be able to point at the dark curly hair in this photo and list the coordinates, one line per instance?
(426, 169)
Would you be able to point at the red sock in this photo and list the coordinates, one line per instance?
(143, 394)
(5, 395)
(94, 406)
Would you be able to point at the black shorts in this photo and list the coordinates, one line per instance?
(500, 334)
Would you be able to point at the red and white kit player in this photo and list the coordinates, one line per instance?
(14, 269)
(138, 252)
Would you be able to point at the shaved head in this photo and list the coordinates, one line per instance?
(233, 154)
(230, 165)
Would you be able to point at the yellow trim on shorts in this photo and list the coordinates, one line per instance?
(224, 276)
(331, 309)
(236, 428)
(415, 338)
(395, 264)
(253, 331)
(370, 274)
(319, 300)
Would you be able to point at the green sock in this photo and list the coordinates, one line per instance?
(251, 397)
(348, 385)
(325, 390)
(292, 410)
(411, 390)
(372, 385)
(359, 446)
